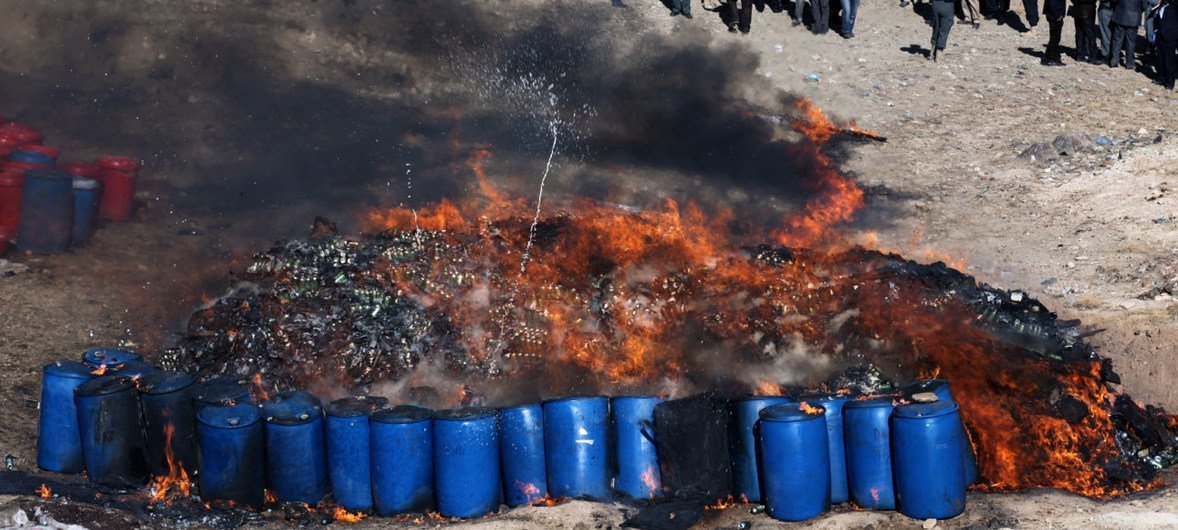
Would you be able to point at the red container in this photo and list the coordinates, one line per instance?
(21, 167)
(22, 134)
(80, 169)
(117, 174)
(50, 152)
(11, 183)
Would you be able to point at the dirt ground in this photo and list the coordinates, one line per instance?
(1093, 235)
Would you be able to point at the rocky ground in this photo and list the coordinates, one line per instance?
(190, 86)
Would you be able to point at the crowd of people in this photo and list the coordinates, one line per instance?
(1107, 31)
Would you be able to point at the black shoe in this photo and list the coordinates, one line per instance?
(674, 13)
(935, 55)
(744, 33)
(732, 28)
(849, 35)
(795, 23)
(687, 15)
(1094, 60)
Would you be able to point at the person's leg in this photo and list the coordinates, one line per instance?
(1168, 53)
(746, 15)
(1032, 9)
(1104, 18)
(1055, 33)
(1130, 47)
(848, 17)
(1114, 50)
(821, 11)
(797, 14)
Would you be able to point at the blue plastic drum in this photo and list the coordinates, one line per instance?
(85, 209)
(867, 432)
(795, 462)
(232, 455)
(348, 456)
(576, 447)
(927, 462)
(221, 390)
(108, 357)
(113, 445)
(59, 446)
(521, 454)
(46, 212)
(833, 403)
(940, 388)
(637, 457)
(165, 398)
(296, 453)
(745, 413)
(402, 445)
(466, 462)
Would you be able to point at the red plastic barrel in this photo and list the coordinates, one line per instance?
(22, 166)
(23, 134)
(80, 169)
(11, 183)
(117, 174)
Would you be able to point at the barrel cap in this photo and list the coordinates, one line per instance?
(70, 369)
(47, 174)
(465, 414)
(926, 410)
(790, 412)
(229, 416)
(161, 382)
(222, 389)
(872, 403)
(402, 414)
(104, 384)
(108, 356)
(294, 407)
(83, 183)
(356, 406)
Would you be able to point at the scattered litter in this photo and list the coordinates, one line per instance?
(8, 268)
(813, 77)
(779, 48)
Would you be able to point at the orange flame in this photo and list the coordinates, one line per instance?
(343, 516)
(768, 388)
(177, 481)
(100, 370)
(45, 492)
(810, 410)
(727, 502)
(651, 480)
(258, 389)
(270, 497)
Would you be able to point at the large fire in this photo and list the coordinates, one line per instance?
(673, 299)
(176, 482)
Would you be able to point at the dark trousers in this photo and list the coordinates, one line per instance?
(1168, 60)
(1054, 33)
(1104, 19)
(821, 11)
(797, 14)
(995, 8)
(942, 23)
(1085, 19)
(741, 12)
(1032, 8)
(681, 6)
(1123, 37)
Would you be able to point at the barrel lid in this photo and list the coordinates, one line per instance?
(161, 382)
(118, 163)
(636, 398)
(221, 389)
(83, 183)
(824, 397)
(871, 403)
(935, 386)
(576, 398)
(135, 369)
(791, 412)
(229, 416)
(465, 413)
(70, 369)
(294, 407)
(24, 154)
(926, 410)
(104, 384)
(47, 174)
(535, 407)
(356, 406)
(402, 414)
(108, 356)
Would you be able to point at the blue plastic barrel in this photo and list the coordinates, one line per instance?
(165, 398)
(867, 433)
(795, 462)
(638, 474)
(112, 436)
(296, 453)
(136, 370)
(85, 209)
(402, 445)
(833, 403)
(576, 447)
(745, 413)
(521, 454)
(31, 157)
(348, 456)
(940, 388)
(221, 390)
(466, 462)
(46, 212)
(108, 357)
(232, 455)
(59, 446)
(927, 461)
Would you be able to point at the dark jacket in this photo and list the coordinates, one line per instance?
(1128, 12)
(1055, 9)
(1166, 23)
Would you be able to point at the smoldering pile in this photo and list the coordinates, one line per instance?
(425, 309)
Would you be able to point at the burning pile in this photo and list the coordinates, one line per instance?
(610, 299)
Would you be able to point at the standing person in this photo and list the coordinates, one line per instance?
(1149, 14)
(681, 7)
(942, 23)
(797, 14)
(850, 10)
(1032, 10)
(1104, 17)
(1125, 21)
(1084, 14)
(1054, 11)
(1166, 26)
(821, 11)
(740, 12)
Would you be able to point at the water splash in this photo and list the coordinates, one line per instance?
(523, 264)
